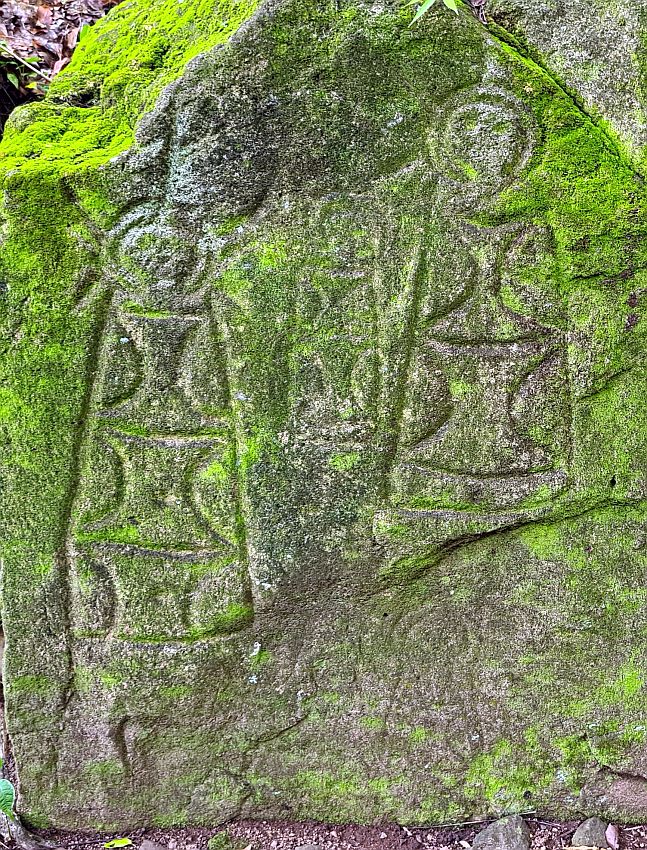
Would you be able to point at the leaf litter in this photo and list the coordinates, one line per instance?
(37, 40)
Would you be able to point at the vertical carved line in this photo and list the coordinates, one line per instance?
(238, 485)
(92, 372)
(392, 426)
(62, 557)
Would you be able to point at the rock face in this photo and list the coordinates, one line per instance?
(323, 424)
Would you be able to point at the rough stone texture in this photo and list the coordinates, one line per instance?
(509, 833)
(324, 427)
(591, 833)
(621, 796)
(595, 49)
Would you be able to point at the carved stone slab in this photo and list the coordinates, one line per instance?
(353, 522)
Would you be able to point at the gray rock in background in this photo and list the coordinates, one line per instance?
(595, 49)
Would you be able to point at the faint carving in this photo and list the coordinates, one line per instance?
(486, 140)
(487, 348)
(156, 526)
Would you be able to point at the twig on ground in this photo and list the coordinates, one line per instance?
(4, 48)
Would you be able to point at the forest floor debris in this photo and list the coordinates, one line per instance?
(45, 32)
(37, 39)
(268, 835)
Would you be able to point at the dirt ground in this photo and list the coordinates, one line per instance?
(264, 835)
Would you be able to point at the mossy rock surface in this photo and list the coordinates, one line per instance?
(323, 423)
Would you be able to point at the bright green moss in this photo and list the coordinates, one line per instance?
(331, 697)
(623, 688)
(344, 462)
(461, 389)
(260, 659)
(497, 778)
(510, 774)
(542, 540)
(372, 723)
(32, 685)
(443, 499)
(171, 819)
(221, 841)
(83, 679)
(604, 746)
(418, 735)
(110, 678)
(115, 76)
(233, 618)
(337, 792)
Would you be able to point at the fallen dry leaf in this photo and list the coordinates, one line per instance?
(48, 30)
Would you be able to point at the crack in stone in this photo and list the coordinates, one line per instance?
(507, 40)
(621, 773)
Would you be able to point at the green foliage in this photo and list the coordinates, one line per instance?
(426, 5)
(7, 798)
(117, 842)
(22, 73)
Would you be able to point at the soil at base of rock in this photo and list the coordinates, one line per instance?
(265, 835)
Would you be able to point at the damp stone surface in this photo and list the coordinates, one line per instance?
(323, 417)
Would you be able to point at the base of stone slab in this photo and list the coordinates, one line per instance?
(15, 835)
(287, 835)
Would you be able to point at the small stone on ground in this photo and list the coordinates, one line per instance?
(147, 844)
(509, 833)
(591, 833)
